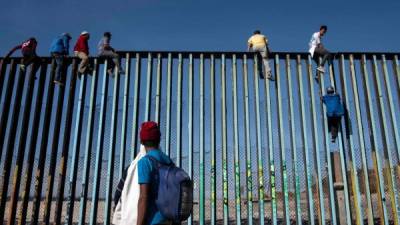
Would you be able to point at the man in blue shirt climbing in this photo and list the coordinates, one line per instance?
(334, 111)
(148, 212)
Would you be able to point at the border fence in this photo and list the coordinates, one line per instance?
(259, 151)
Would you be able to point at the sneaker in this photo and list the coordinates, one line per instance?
(110, 72)
(58, 82)
(23, 68)
(316, 78)
(270, 77)
(321, 69)
(121, 71)
(333, 140)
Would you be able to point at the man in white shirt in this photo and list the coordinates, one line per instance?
(259, 43)
(105, 50)
(317, 50)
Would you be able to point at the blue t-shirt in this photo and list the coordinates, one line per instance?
(334, 107)
(145, 173)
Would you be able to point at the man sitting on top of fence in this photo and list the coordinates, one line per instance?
(81, 50)
(29, 56)
(259, 43)
(318, 50)
(334, 111)
(105, 50)
(59, 50)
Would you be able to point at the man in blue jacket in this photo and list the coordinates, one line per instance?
(334, 111)
(59, 51)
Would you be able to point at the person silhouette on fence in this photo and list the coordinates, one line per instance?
(29, 56)
(334, 111)
(259, 43)
(59, 50)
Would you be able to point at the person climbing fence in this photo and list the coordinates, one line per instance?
(317, 50)
(29, 56)
(259, 43)
(334, 111)
(105, 50)
(59, 50)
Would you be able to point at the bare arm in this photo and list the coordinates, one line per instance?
(249, 46)
(13, 50)
(143, 203)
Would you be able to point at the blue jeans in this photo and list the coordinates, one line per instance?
(60, 65)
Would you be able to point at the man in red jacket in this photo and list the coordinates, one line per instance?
(81, 50)
(28, 50)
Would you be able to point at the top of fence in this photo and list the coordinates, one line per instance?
(208, 54)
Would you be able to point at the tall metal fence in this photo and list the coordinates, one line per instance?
(258, 150)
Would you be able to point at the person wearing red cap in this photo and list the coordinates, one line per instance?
(147, 210)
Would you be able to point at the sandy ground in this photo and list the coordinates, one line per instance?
(232, 210)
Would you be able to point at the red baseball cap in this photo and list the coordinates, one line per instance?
(149, 131)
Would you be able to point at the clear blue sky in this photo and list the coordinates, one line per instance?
(354, 25)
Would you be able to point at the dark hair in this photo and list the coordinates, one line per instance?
(330, 90)
(257, 32)
(323, 27)
(32, 39)
(151, 144)
(107, 34)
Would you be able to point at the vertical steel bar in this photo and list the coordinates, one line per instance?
(7, 102)
(236, 141)
(316, 145)
(396, 69)
(3, 69)
(87, 154)
(202, 149)
(42, 158)
(342, 160)
(21, 146)
(125, 115)
(75, 144)
(386, 142)
(260, 163)
(148, 86)
(158, 94)
(296, 176)
(99, 146)
(213, 178)
(224, 142)
(354, 170)
(271, 151)
(373, 137)
(168, 116)
(361, 139)
(249, 178)
(111, 150)
(285, 190)
(190, 123)
(328, 152)
(32, 145)
(393, 114)
(136, 105)
(66, 140)
(179, 114)
(306, 159)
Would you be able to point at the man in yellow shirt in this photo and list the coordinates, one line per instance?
(259, 43)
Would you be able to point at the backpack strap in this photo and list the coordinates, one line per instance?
(158, 163)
